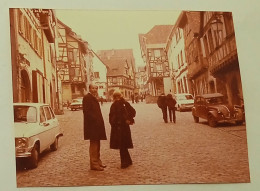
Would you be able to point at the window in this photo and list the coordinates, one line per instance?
(96, 74)
(47, 113)
(52, 113)
(159, 67)
(42, 116)
(157, 53)
(210, 40)
(20, 21)
(182, 58)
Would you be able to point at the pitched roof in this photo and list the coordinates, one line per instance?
(116, 60)
(158, 34)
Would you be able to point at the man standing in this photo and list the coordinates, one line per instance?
(94, 127)
(161, 102)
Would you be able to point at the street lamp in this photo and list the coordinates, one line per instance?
(217, 24)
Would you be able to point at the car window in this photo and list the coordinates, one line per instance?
(42, 115)
(25, 114)
(52, 113)
(47, 113)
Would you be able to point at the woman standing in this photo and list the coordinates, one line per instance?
(120, 117)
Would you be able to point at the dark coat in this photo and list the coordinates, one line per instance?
(94, 127)
(120, 136)
(161, 102)
(170, 101)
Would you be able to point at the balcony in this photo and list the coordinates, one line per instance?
(223, 56)
(197, 67)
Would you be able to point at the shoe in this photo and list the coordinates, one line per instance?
(103, 166)
(126, 165)
(97, 168)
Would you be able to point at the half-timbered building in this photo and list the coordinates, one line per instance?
(153, 52)
(121, 71)
(72, 62)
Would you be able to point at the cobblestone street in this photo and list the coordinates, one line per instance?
(185, 152)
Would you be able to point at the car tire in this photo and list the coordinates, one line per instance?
(196, 119)
(55, 144)
(212, 122)
(34, 159)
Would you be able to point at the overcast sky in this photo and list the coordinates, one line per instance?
(115, 29)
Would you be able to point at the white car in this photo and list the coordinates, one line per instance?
(184, 101)
(76, 104)
(36, 129)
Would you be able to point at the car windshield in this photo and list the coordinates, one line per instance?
(215, 100)
(26, 114)
(184, 97)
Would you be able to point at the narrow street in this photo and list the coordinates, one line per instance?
(185, 152)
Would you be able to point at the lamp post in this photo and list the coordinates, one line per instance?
(217, 27)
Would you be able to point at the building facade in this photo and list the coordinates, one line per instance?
(74, 56)
(153, 45)
(220, 50)
(99, 75)
(211, 53)
(121, 71)
(33, 36)
(177, 62)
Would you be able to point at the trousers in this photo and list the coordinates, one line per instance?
(125, 157)
(94, 154)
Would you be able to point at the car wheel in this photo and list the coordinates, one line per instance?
(54, 146)
(212, 122)
(196, 119)
(34, 159)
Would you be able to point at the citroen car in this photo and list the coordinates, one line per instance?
(214, 108)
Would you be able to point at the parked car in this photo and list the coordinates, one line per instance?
(184, 101)
(36, 129)
(76, 104)
(215, 109)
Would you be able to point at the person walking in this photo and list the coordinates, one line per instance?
(94, 128)
(161, 102)
(171, 102)
(121, 116)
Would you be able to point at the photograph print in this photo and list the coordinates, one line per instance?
(126, 98)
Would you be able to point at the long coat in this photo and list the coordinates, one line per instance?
(94, 127)
(120, 136)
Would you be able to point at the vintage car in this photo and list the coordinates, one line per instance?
(184, 101)
(36, 129)
(76, 104)
(215, 109)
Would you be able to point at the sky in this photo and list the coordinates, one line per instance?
(109, 29)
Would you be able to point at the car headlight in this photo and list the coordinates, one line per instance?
(21, 142)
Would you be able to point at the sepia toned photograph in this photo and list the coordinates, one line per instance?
(105, 98)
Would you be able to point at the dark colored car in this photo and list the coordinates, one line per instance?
(215, 109)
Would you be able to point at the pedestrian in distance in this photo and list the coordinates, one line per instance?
(161, 102)
(171, 102)
(121, 116)
(94, 127)
(133, 98)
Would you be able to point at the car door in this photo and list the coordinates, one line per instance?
(43, 134)
(50, 126)
(204, 108)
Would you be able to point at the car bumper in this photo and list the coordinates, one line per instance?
(23, 152)
(186, 107)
